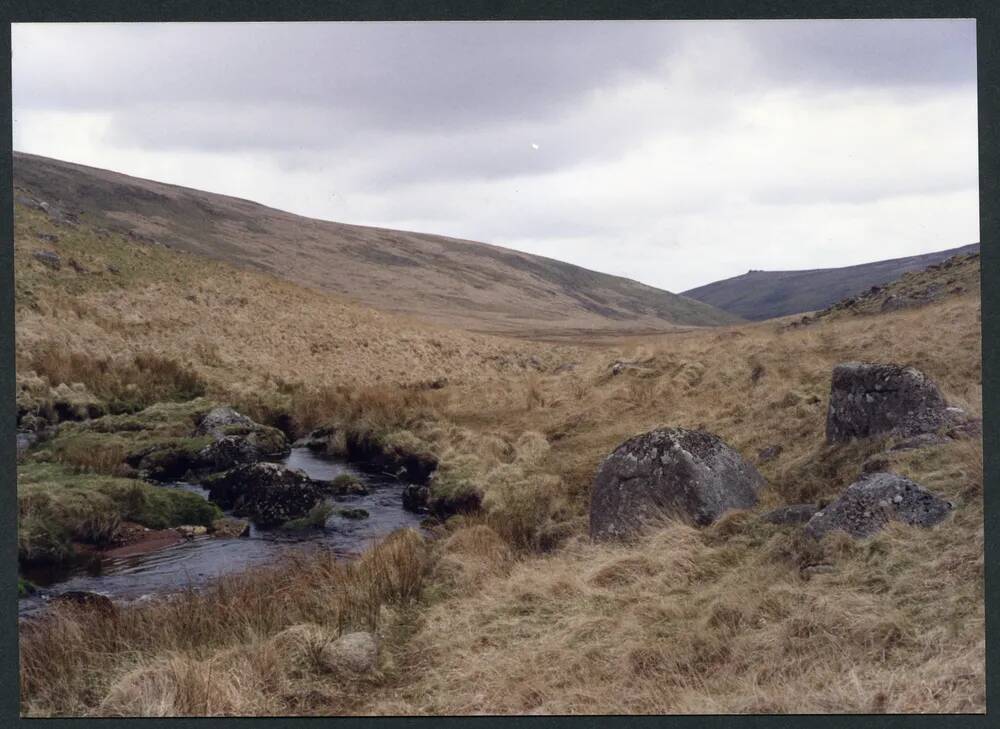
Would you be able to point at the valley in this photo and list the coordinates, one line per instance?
(487, 391)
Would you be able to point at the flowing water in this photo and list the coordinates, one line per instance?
(197, 562)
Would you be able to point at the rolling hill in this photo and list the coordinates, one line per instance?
(475, 286)
(758, 295)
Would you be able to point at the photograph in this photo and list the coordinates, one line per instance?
(498, 367)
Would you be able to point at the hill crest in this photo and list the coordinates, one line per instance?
(475, 286)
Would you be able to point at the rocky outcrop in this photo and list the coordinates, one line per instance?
(870, 503)
(239, 439)
(266, 493)
(351, 654)
(49, 259)
(217, 422)
(869, 399)
(227, 452)
(690, 474)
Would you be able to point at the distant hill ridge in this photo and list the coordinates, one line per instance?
(475, 286)
(758, 295)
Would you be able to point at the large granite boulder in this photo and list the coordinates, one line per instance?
(217, 422)
(869, 503)
(239, 439)
(869, 399)
(671, 471)
(228, 452)
(266, 493)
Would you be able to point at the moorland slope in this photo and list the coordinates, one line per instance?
(511, 608)
(462, 283)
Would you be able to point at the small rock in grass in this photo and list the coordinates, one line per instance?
(50, 259)
(769, 453)
(352, 653)
(230, 528)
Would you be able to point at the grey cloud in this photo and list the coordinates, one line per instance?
(867, 53)
(430, 126)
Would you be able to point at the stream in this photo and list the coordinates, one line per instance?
(197, 562)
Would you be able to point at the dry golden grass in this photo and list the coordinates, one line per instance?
(519, 613)
(227, 650)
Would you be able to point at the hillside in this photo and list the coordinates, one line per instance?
(956, 276)
(471, 285)
(758, 295)
(511, 609)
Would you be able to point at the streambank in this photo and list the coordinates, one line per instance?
(192, 563)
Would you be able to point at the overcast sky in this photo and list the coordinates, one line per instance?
(674, 153)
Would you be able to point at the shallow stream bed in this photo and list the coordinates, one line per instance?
(197, 562)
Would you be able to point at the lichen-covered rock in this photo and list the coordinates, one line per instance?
(266, 493)
(352, 653)
(868, 504)
(869, 399)
(691, 474)
(50, 259)
(227, 452)
(217, 420)
(239, 439)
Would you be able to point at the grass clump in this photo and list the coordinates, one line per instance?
(80, 663)
(126, 383)
(315, 518)
(25, 587)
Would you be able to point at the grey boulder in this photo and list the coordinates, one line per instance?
(352, 653)
(874, 500)
(869, 399)
(678, 472)
(266, 493)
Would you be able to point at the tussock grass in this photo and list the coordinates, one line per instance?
(514, 610)
(214, 652)
(128, 384)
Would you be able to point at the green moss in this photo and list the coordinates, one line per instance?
(159, 507)
(315, 519)
(25, 587)
(57, 507)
